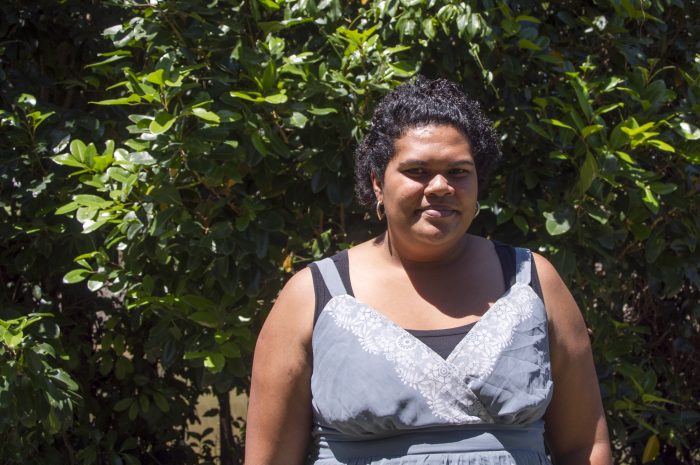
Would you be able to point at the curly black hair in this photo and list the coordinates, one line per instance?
(422, 102)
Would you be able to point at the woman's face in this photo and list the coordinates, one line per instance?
(430, 187)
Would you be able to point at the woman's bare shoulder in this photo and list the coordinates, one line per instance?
(566, 320)
(291, 316)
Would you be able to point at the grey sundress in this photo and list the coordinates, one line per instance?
(382, 397)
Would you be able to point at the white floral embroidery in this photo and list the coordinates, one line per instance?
(476, 355)
(417, 365)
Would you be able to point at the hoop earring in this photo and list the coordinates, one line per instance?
(477, 210)
(380, 210)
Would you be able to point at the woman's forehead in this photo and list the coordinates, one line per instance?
(436, 140)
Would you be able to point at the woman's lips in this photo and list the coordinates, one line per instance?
(437, 211)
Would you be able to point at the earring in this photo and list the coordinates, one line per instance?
(477, 210)
(380, 210)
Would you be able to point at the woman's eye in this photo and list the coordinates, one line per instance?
(415, 171)
(458, 171)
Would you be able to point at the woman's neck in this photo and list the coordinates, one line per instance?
(420, 256)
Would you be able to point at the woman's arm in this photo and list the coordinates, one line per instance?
(279, 410)
(575, 426)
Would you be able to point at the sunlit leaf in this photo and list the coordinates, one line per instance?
(162, 122)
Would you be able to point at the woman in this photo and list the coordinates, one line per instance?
(427, 344)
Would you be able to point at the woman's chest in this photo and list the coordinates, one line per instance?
(430, 301)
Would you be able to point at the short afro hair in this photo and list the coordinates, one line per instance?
(419, 103)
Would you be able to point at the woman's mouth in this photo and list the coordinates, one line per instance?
(437, 211)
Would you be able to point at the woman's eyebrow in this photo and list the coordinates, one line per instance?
(416, 162)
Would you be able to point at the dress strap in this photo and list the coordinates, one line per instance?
(331, 277)
(523, 265)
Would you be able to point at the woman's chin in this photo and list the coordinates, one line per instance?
(436, 232)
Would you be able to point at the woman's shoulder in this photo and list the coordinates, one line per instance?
(292, 312)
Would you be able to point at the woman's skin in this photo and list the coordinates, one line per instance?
(429, 193)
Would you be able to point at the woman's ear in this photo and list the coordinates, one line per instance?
(377, 187)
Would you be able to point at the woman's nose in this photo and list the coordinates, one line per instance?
(438, 185)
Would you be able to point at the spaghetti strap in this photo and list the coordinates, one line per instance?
(331, 277)
(523, 265)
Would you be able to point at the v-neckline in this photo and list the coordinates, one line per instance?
(406, 332)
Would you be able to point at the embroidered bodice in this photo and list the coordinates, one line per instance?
(372, 379)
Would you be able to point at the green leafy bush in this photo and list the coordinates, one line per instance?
(168, 164)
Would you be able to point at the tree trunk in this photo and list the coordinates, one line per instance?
(228, 452)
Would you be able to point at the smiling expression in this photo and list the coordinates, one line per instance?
(429, 189)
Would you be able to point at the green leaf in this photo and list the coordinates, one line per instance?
(640, 230)
(53, 424)
(539, 130)
(227, 116)
(79, 151)
(12, 340)
(428, 28)
(649, 398)
(401, 69)
(634, 130)
(521, 223)
(132, 99)
(215, 362)
(250, 96)
(558, 223)
(597, 213)
(123, 404)
(689, 131)
(607, 108)
(111, 57)
(663, 188)
(205, 318)
(661, 145)
(88, 200)
(650, 200)
(322, 111)
(26, 101)
(194, 355)
(564, 260)
(230, 350)
(526, 18)
(67, 208)
(298, 120)
(592, 129)
(276, 26)
(581, 90)
(276, 99)
(119, 174)
(133, 411)
(556, 122)
(90, 226)
(95, 285)
(122, 368)
(141, 158)
(144, 403)
(161, 402)
(68, 160)
(206, 115)
(65, 379)
(624, 156)
(198, 302)
(156, 77)
(651, 449)
(76, 276)
(258, 143)
(269, 4)
(528, 45)
(653, 247)
(588, 173)
(161, 123)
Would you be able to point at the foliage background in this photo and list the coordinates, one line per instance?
(167, 164)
